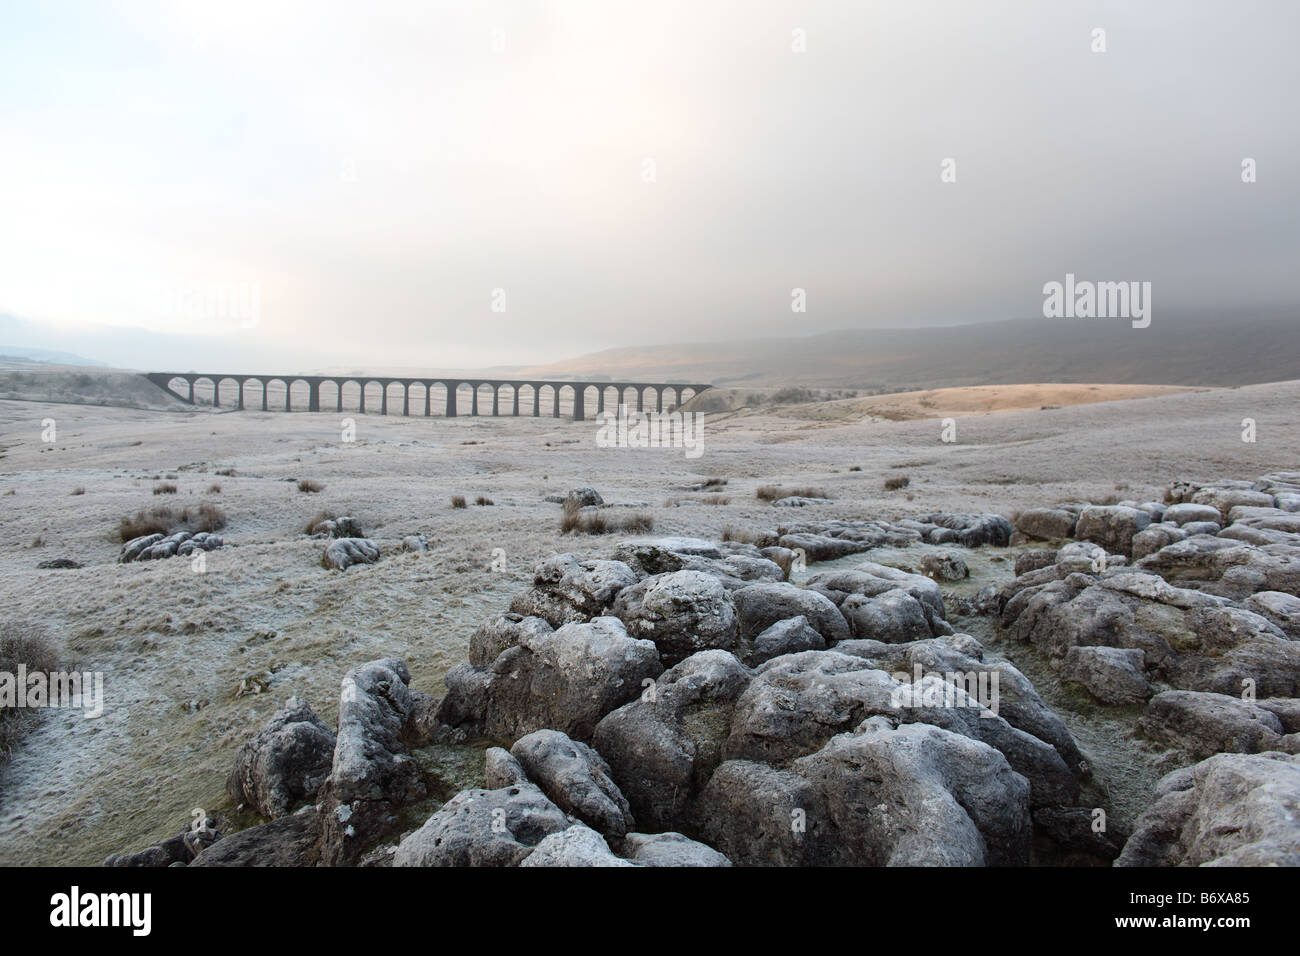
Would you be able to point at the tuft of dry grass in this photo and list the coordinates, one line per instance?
(776, 492)
(458, 501)
(165, 488)
(576, 521)
(226, 472)
(214, 489)
(310, 486)
(897, 482)
(855, 467)
(483, 501)
(163, 520)
(30, 646)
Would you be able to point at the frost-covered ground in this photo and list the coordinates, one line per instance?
(176, 646)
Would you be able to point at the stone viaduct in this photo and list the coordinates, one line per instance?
(452, 387)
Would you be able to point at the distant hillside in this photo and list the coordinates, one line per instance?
(1178, 351)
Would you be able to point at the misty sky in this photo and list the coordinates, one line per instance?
(375, 170)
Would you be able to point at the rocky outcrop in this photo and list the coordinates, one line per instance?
(682, 612)
(484, 828)
(342, 553)
(759, 606)
(284, 763)
(576, 779)
(1228, 810)
(373, 774)
(566, 680)
(152, 547)
(1205, 724)
(663, 746)
(1113, 675)
(566, 590)
(881, 795)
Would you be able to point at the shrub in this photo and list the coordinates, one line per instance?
(162, 520)
(776, 492)
(28, 645)
(309, 486)
(576, 521)
(165, 488)
(483, 500)
(458, 501)
(898, 481)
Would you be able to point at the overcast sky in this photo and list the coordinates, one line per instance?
(369, 173)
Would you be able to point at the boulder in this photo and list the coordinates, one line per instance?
(576, 846)
(759, 606)
(566, 680)
(945, 565)
(1045, 524)
(566, 590)
(1027, 561)
(1111, 526)
(484, 828)
(662, 747)
(291, 840)
(1228, 810)
(971, 530)
(1113, 675)
(284, 763)
(501, 633)
(911, 795)
(682, 612)
(342, 553)
(372, 775)
(1180, 514)
(576, 779)
(790, 636)
(670, 849)
(501, 769)
(1205, 724)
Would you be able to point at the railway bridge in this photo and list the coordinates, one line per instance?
(504, 395)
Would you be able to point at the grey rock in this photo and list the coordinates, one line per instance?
(670, 849)
(291, 840)
(576, 779)
(284, 763)
(945, 565)
(759, 606)
(1027, 561)
(576, 846)
(503, 632)
(1228, 810)
(682, 612)
(786, 637)
(662, 747)
(566, 590)
(1113, 675)
(342, 553)
(501, 769)
(483, 828)
(1204, 724)
(1045, 524)
(373, 775)
(1111, 526)
(564, 680)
